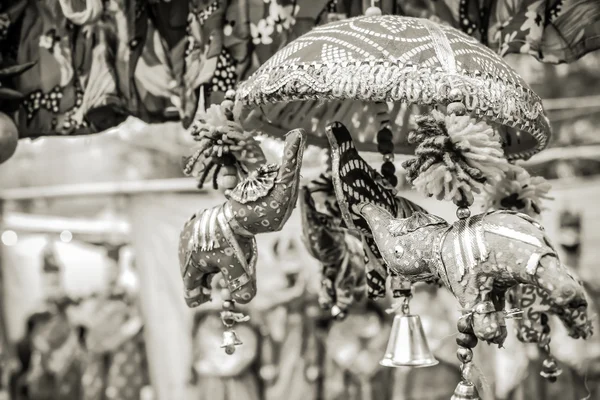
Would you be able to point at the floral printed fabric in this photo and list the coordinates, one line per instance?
(553, 31)
(82, 80)
(153, 59)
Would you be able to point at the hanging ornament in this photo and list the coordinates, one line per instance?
(472, 263)
(223, 145)
(339, 252)
(230, 318)
(354, 181)
(221, 239)
(455, 155)
(407, 345)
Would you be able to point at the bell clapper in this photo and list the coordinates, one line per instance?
(229, 318)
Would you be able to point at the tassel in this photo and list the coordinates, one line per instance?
(456, 156)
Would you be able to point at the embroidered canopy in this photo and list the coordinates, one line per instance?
(359, 62)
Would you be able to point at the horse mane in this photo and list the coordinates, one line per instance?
(419, 219)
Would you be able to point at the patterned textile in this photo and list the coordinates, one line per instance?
(55, 370)
(401, 59)
(119, 375)
(81, 82)
(88, 77)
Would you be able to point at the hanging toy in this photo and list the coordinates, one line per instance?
(221, 238)
(339, 252)
(355, 181)
(223, 146)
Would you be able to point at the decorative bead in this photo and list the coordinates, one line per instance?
(227, 105)
(312, 373)
(467, 340)
(464, 355)
(463, 213)
(385, 135)
(388, 169)
(385, 147)
(455, 95)
(268, 372)
(389, 157)
(464, 324)
(230, 95)
(456, 108)
(373, 11)
(227, 305)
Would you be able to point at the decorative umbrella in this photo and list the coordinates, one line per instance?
(374, 59)
(476, 115)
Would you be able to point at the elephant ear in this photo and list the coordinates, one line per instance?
(419, 219)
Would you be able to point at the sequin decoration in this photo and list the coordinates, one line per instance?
(400, 59)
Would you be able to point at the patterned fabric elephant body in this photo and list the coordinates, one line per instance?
(208, 246)
(222, 238)
(478, 259)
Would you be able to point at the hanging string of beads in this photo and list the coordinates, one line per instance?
(385, 145)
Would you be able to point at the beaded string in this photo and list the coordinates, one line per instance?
(385, 146)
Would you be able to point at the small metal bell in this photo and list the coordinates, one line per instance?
(407, 346)
(550, 369)
(465, 391)
(230, 340)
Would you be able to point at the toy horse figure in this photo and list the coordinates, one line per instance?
(477, 258)
(221, 239)
(340, 254)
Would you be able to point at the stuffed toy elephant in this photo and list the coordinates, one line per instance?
(221, 239)
(477, 258)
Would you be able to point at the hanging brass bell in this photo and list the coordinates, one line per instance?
(230, 340)
(407, 346)
(465, 391)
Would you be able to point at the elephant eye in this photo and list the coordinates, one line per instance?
(398, 251)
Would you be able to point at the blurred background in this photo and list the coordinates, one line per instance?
(92, 223)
